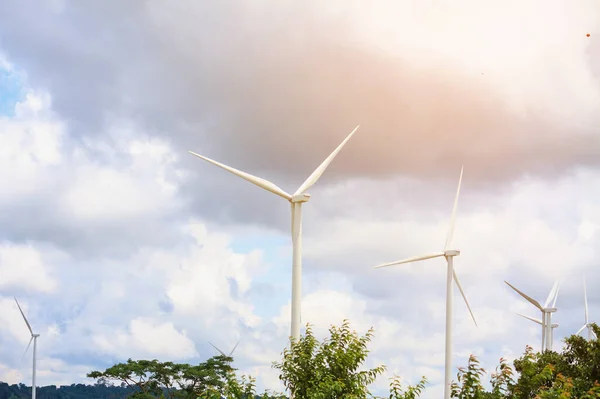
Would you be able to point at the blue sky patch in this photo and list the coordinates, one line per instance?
(11, 91)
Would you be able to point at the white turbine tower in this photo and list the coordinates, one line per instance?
(296, 200)
(34, 338)
(587, 322)
(546, 310)
(223, 353)
(449, 254)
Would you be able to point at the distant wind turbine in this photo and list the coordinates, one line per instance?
(538, 321)
(34, 338)
(223, 353)
(296, 200)
(449, 255)
(587, 324)
(546, 310)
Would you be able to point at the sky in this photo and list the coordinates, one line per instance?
(119, 244)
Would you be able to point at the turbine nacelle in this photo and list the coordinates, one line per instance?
(300, 198)
(550, 310)
(451, 252)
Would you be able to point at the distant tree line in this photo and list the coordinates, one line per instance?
(74, 391)
(332, 369)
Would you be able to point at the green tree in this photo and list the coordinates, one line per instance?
(154, 379)
(328, 370)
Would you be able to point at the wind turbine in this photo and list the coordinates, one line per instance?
(449, 255)
(546, 312)
(34, 338)
(538, 321)
(296, 200)
(587, 323)
(223, 353)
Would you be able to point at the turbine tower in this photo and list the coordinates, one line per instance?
(587, 324)
(34, 338)
(546, 310)
(449, 255)
(296, 200)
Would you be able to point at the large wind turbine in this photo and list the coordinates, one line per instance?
(34, 338)
(296, 200)
(449, 254)
(587, 323)
(546, 312)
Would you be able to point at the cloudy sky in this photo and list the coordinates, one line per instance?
(120, 244)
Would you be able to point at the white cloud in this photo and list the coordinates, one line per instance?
(148, 338)
(23, 266)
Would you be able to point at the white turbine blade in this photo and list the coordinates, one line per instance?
(409, 260)
(312, 179)
(24, 318)
(531, 318)
(556, 294)
(26, 349)
(585, 301)
(551, 294)
(233, 350)
(463, 295)
(530, 299)
(220, 351)
(453, 217)
(581, 329)
(260, 182)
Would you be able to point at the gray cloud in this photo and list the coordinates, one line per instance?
(272, 90)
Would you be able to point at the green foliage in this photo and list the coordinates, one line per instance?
(329, 370)
(469, 381)
(154, 379)
(572, 374)
(411, 391)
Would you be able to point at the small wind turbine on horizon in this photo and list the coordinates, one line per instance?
(546, 310)
(587, 322)
(449, 255)
(223, 353)
(296, 200)
(34, 338)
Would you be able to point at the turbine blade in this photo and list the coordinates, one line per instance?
(532, 319)
(258, 181)
(24, 318)
(556, 294)
(233, 350)
(581, 329)
(453, 217)
(463, 295)
(530, 299)
(409, 260)
(312, 179)
(26, 349)
(220, 351)
(551, 294)
(585, 301)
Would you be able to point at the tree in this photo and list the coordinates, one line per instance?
(151, 378)
(329, 370)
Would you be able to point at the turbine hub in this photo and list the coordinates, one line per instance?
(299, 198)
(451, 252)
(550, 310)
